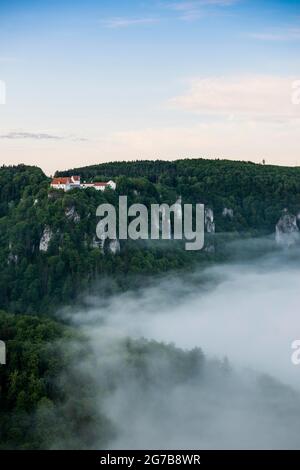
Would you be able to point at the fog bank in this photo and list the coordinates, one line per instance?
(244, 311)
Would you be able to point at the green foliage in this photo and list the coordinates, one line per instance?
(48, 398)
(26, 381)
(44, 400)
(256, 193)
(13, 181)
(33, 281)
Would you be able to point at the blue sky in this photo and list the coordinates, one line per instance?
(96, 81)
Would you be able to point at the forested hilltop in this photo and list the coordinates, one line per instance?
(256, 193)
(49, 254)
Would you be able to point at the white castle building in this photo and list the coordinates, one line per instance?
(71, 182)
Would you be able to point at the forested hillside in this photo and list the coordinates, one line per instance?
(49, 254)
(256, 193)
(47, 399)
(51, 397)
(50, 258)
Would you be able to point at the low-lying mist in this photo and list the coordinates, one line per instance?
(242, 392)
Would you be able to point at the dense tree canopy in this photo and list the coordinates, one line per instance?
(49, 258)
(245, 198)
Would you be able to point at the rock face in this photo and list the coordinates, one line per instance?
(12, 258)
(210, 229)
(114, 247)
(98, 243)
(106, 245)
(287, 231)
(209, 221)
(94, 243)
(45, 239)
(227, 212)
(71, 214)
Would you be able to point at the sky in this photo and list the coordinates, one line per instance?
(96, 81)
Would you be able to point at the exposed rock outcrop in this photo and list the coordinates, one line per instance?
(210, 229)
(45, 239)
(114, 247)
(98, 243)
(227, 212)
(106, 245)
(12, 258)
(72, 214)
(287, 230)
(209, 221)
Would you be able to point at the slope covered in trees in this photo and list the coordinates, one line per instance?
(256, 193)
(49, 254)
(49, 258)
(57, 393)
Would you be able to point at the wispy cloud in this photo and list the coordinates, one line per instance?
(243, 98)
(185, 5)
(124, 22)
(290, 34)
(194, 9)
(187, 10)
(30, 135)
(38, 136)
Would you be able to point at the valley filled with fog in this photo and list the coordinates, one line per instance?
(243, 393)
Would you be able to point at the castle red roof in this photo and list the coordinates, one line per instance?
(62, 180)
(66, 180)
